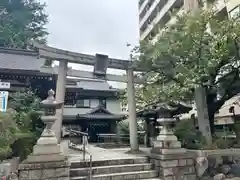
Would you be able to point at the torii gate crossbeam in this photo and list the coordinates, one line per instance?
(66, 56)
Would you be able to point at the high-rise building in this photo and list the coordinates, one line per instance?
(155, 14)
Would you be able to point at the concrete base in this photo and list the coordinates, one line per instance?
(134, 152)
(174, 166)
(46, 162)
(44, 171)
(168, 151)
(170, 160)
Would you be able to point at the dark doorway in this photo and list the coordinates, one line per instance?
(98, 128)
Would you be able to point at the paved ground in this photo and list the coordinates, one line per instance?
(100, 153)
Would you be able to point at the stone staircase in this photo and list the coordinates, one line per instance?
(127, 169)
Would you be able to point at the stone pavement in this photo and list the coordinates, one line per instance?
(99, 154)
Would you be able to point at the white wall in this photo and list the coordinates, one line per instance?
(114, 106)
(94, 103)
(74, 111)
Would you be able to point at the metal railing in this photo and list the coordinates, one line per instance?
(90, 165)
(84, 143)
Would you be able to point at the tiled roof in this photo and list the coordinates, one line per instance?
(172, 108)
(21, 61)
(100, 116)
(93, 117)
(92, 84)
(96, 113)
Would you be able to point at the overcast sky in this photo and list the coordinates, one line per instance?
(93, 26)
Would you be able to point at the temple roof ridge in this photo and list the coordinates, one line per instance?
(100, 109)
(18, 51)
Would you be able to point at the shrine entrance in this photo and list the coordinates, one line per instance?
(94, 129)
(100, 63)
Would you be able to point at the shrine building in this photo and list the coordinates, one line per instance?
(90, 104)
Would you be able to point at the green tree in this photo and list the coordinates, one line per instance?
(9, 133)
(22, 21)
(187, 54)
(20, 126)
(27, 117)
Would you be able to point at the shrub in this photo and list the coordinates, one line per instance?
(20, 126)
(188, 135)
(123, 129)
(9, 133)
(26, 104)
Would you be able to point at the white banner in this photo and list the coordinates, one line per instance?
(5, 85)
(3, 100)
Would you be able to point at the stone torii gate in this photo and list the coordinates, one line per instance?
(100, 63)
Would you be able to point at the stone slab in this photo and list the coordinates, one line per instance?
(170, 156)
(166, 137)
(44, 171)
(45, 158)
(47, 165)
(46, 149)
(168, 151)
(47, 140)
(167, 145)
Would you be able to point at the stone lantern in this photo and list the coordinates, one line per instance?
(47, 147)
(46, 161)
(170, 160)
(166, 142)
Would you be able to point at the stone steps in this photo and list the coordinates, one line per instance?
(117, 169)
(76, 164)
(119, 176)
(111, 169)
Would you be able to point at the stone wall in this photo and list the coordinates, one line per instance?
(174, 167)
(221, 164)
(44, 171)
(9, 166)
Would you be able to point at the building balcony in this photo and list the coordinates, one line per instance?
(143, 6)
(219, 6)
(173, 20)
(154, 9)
(161, 17)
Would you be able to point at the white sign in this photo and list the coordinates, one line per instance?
(5, 85)
(3, 100)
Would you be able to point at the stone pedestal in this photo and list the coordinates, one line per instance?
(170, 160)
(44, 171)
(46, 162)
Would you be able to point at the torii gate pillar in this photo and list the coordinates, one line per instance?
(60, 96)
(132, 111)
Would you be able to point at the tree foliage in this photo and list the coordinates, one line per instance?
(198, 49)
(22, 21)
(9, 133)
(188, 135)
(27, 107)
(20, 126)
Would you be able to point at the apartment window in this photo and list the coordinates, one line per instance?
(83, 103)
(235, 12)
(103, 103)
